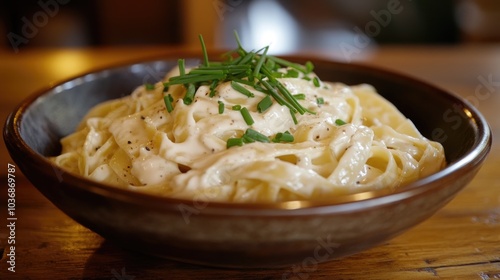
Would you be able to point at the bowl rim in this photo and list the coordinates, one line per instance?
(475, 156)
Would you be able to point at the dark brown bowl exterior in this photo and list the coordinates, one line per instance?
(245, 235)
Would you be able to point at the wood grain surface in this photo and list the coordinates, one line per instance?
(461, 241)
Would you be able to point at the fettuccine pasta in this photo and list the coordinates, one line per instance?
(351, 140)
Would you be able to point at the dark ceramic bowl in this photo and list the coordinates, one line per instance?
(245, 235)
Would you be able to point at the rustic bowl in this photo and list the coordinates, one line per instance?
(245, 235)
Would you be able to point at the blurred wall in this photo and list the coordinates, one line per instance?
(79, 23)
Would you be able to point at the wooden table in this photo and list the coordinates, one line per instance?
(462, 241)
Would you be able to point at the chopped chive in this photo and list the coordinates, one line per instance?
(165, 88)
(264, 104)
(283, 137)
(340, 122)
(182, 67)
(246, 116)
(287, 63)
(316, 82)
(207, 71)
(309, 67)
(204, 50)
(236, 107)
(294, 118)
(256, 70)
(236, 86)
(306, 78)
(189, 97)
(231, 142)
(186, 79)
(212, 88)
(221, 107)
(149, 86)
(247, 139)
(256, 136)
(320, 100)
(168, 102)
(292, 73)
(300, 96)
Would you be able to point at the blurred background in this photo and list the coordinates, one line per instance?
(337, 28)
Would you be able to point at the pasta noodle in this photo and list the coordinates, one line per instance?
(354, 141)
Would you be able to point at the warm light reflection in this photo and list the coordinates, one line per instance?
(270, 24)
(290, 205)
(363, 195)
(67, 63)
(468, 113)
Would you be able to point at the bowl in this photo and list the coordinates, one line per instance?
(245, 235)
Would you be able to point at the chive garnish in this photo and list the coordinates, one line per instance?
(236, 86)
(320, 100)
(168, 102)
(264, 104)
(256, 135)
(246, 116)
(236, 107)
(245, 70)
(293, 117)
(221, 107)
(212, 88)
(204, 50)
(231, 142)
(149, 86)
(189, 97)
(283, 137)
(256, 70)
(340, 122)
(182, 67)
(300, 96)
(316, 82)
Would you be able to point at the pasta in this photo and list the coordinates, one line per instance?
(349, 140)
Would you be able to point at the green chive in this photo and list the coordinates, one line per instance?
(294, 118)
(187, 79)
(189, 97)
(165, 88)
(212, 88)
(168, 102)
(283, 137)
(309, 67)
(207, 71)
(221, 107)
(256, 136)
(247, 139)
(204, 50)
(231, 142)
(182, 67)
(340, 122)
(264, 104)
(320, 100)
(316, 82)
(300, 96)
(246, 116)
(256, 70)
(236, 107)
(292, 73)
(149, 86)
(236, 86)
